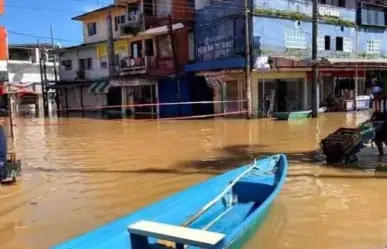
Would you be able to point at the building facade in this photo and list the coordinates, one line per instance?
(220, 52)
(26, 74)
(350, 35)
(151, 46)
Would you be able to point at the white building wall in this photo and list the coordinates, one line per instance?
(82, 53)
(89, 99)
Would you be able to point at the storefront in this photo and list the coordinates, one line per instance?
(229, 91)
(279, 91)
(138, 96)
(339, 86)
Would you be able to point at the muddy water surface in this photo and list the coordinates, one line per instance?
(79, 176)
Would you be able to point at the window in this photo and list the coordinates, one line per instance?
(133, 11)
(67, 64)
(327, 41)
(348, 45)
(118, 20)
(320, 43)
(324, 43)
(136, 49)
(373, 15)
(103, 64)
(338, 3)
(163, 8)
(85, 64)
(92, 28)
(165, 47)
(295, 39)
(339, 43)
(373, 46)
(149, 47)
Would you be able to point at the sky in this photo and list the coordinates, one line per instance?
(33, 19)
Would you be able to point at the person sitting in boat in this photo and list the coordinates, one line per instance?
(3, 151)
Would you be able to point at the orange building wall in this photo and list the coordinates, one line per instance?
(1, 7)
(182, 45)
(3, 44)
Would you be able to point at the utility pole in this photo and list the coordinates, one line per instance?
(42, 78)
(110, 46)
(55, 73)
(45, 98)
(247, 67)
(356, 65)
(175, 61)
(315, 100)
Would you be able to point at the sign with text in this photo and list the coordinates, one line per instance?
(324, 11)
(216, 47)
(120, 47)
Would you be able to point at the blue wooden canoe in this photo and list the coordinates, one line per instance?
(222, 212)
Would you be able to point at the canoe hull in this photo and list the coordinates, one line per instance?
(251, 230)
(185, 204)
(292, 115)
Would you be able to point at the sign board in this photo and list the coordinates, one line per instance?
(127, 63)
(132, 82)
(120, 46)
(216, 47)
(324, 11)
(261, 64)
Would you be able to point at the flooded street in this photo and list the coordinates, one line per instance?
(78, 176)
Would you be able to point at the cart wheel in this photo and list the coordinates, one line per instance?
(351, 159)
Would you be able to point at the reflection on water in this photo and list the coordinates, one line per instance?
(80, 175)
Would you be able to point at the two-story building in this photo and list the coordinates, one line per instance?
(26, 73)
(151, 45)
(220, 52)
(350, 46)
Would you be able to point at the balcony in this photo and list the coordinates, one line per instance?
(161, 66)
(130, 65)
(151, 65)
(132, 27)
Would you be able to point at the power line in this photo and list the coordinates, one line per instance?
(41, 37)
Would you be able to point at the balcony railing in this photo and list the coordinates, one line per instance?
(132, 27)
(160, 65)
(152, 65)
(130, 65)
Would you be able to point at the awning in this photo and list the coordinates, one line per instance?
(217, 64)
(100, 87)
(163, 29)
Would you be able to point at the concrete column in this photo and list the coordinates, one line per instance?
(157, 99)
(131, 100)
(254, 94)
(224, 96)
(124, 101)
(305, 96)
(217, 97)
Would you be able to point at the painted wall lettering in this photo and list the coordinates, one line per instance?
(216, 47)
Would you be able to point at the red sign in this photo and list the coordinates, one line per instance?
(341, 73)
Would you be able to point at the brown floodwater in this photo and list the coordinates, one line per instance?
(78, 176)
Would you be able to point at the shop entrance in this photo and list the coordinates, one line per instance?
(144, 95)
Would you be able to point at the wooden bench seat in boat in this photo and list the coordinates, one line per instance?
(141, 230)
